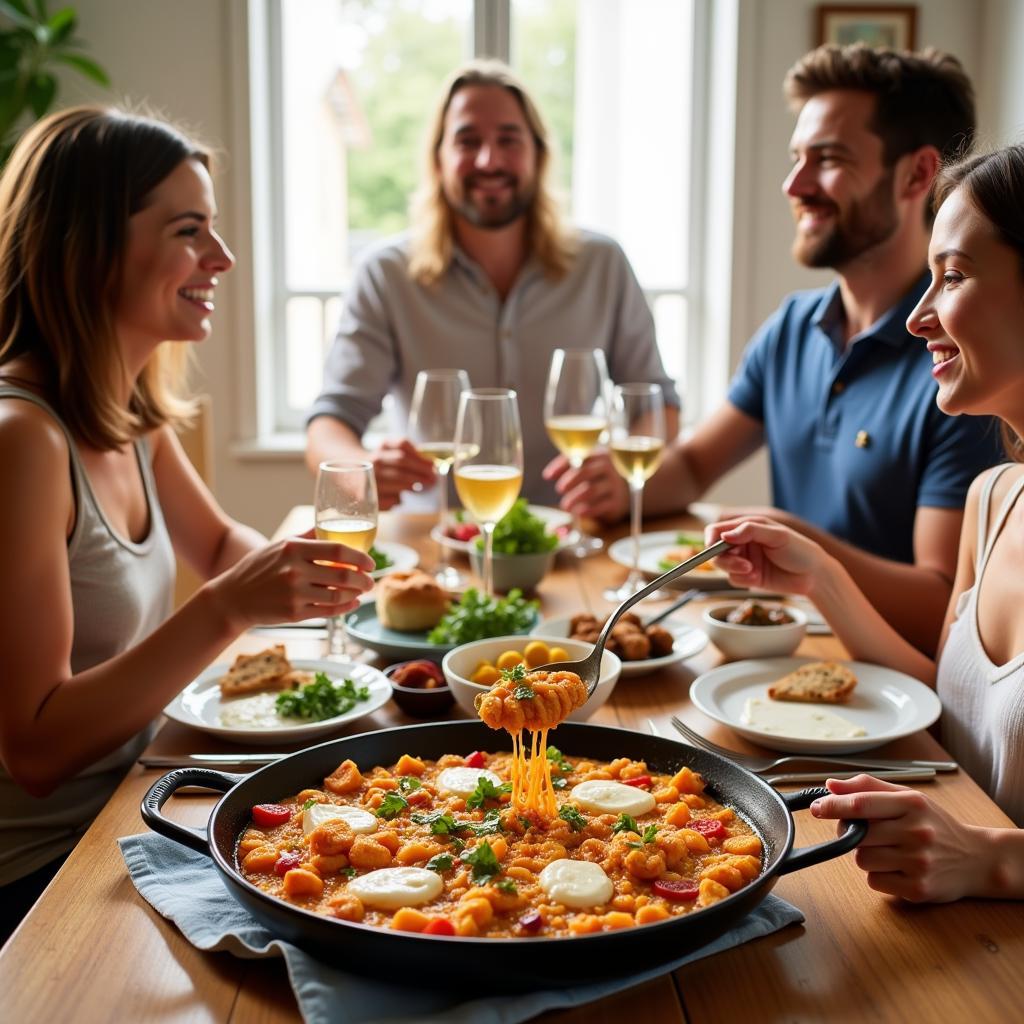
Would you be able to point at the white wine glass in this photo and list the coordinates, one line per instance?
(432, 416)
(576, 414)
(488, 461)
(346, 512)
(637, 445)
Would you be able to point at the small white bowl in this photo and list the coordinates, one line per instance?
(522, 571)
(740, 642)
(458, 665)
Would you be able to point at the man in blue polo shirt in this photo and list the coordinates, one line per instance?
(861, 458)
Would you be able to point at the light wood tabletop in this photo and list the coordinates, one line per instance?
(93, 950)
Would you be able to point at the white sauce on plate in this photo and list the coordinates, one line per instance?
(255, 712)
(806, 721)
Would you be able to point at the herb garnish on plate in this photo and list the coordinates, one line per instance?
(321, 699)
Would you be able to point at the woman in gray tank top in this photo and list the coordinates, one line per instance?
(109, 263)
(972, 318)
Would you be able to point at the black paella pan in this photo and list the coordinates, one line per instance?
(524, 962)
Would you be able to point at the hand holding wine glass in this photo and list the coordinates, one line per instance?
(432, 416)
(637, 446)
(576, 414)
(488, 461)
(346, 512)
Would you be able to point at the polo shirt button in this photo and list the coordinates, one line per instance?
(863, 439)
(838, 388)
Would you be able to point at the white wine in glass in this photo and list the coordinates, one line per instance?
(576, 414)
(432, 415)
(346, 512)
(637, 446)
(488, 461)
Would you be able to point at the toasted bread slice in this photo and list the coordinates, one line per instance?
(251, 673)
(820, 682)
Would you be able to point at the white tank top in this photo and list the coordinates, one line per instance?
(120, 592)
(983, 703)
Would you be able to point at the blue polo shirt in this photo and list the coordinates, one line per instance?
(855, 438)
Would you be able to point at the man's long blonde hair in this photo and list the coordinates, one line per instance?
(549, 238)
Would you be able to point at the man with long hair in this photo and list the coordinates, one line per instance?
(490, 279)
(862, 460)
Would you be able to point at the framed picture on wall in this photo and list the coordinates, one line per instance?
(890, 25)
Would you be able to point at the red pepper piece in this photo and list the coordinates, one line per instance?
(676, 892)
(531, 922)
(464, 531)
(709, 828)
(640, 781)
(269, 815)
(439, 926)
(287, 861)
(475, 760)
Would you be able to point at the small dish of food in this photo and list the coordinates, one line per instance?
(461, 533)
(484, 661)
(755, 629)
(420, 688)
(664, 550)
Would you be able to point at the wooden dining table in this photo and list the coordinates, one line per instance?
(93, 950)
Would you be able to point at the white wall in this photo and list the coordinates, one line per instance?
(187, 58)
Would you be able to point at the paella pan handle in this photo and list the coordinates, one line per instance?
(853, 834)
(161, 791)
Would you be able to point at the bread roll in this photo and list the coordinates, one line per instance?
(410, 602)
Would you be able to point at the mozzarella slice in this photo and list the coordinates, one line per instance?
(576, 883)
(462, 781)
(391, 888)
(602, 796)
(358, 819)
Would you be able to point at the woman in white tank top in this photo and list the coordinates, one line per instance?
(109, 262)
(972, 318)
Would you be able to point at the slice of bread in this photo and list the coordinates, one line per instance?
(251, 673)
(820, 682)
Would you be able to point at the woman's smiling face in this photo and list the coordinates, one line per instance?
(972, 315)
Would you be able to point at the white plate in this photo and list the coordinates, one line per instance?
(200, 704)
(688, 641)
(887, 704)
(554, 519)
(403, 558)
(655, 546)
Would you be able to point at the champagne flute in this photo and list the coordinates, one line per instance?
(346, 512)
(637, 445)
(576, 415)
(488, 461)
(432, 415)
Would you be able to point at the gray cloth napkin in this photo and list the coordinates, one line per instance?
(184, 886)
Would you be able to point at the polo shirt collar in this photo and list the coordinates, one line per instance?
(890, 327)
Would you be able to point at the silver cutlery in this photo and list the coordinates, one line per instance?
(208, 760)
(674, 607)
(760, 764)
(904, 775)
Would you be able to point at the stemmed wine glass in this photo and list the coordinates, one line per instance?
(432, 415)
(637, 445)
(346, 512)
(576, 414)
(488, 461)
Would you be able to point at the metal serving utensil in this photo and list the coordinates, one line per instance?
(589, 669)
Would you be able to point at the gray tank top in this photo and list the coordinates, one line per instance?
(120, 592)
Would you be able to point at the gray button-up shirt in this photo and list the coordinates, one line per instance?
(393, 327)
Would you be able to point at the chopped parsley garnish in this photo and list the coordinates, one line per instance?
(348, 872)
(482, 860)
(409, 784)
(506, 885)
(441, 824)
(524, 692)
(557, 761)
(310, 803)
(486, 790)
(321, 699)
(514, 674)
(441, 862)
(525, 822)
(490, 826)
(571, 814)
(392, 806)
(626, 824)
(648, 837)
(380, 559)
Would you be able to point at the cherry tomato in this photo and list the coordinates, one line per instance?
(287, 861)
(439, 926)
(475, 760)
(269, 815)
(676, 892)
(709, 828)
(641, 782)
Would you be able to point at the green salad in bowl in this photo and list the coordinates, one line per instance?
(523, 550)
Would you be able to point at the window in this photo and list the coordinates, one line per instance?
(348, 86)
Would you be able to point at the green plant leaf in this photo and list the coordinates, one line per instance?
(87, 67)
(41, 91)
(61, 25)
(18, 12)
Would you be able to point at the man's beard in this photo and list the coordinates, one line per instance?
(867, 223)
(492, 216)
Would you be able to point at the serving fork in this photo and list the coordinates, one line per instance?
(760, 764)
